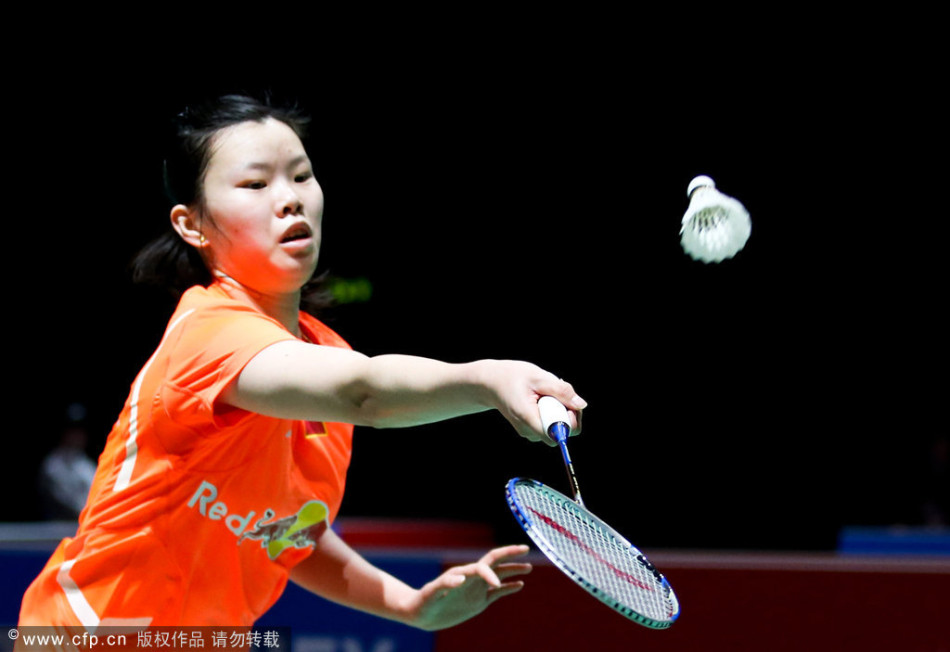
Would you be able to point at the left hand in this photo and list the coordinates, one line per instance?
(465, 591)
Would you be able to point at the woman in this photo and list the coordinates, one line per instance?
(227, 464)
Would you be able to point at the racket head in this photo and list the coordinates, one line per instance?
(593, 554)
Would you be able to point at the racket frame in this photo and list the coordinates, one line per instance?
(526, 523)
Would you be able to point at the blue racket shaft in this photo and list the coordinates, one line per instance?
(554, 419)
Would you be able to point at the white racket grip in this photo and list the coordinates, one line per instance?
(552, 411)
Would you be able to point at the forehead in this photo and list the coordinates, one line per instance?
(254, 142)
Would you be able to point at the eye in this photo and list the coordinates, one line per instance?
(254, 184)
(303, 177)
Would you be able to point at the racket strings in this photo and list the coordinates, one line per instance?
(610, 565)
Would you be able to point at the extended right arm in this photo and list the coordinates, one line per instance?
(296, 380)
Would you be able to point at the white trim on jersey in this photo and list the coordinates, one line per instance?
(131, 445)
(81, 607)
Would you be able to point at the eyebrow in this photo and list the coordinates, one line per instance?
(294, 162)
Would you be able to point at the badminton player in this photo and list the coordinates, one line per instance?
(226, 466)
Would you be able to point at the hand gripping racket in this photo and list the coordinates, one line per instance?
(585, 548)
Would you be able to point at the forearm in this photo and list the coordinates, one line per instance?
(338, 573)
(405, 390)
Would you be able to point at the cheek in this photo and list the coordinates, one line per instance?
(313, 199)
(236, 220)
(235, 239)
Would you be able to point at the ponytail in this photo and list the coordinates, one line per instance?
(168, 261)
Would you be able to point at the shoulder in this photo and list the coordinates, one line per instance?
(211, 297)
(208, 324)
(211, 304)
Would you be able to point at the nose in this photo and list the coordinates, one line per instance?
(289, 202)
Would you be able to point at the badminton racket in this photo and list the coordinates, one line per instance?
(554, 422)
(585, 548)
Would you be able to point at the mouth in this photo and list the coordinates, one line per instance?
(299, 231)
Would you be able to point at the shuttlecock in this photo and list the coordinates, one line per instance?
(715, 226)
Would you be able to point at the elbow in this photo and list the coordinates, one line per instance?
(374, 411)
(368, 410)
(373, 415)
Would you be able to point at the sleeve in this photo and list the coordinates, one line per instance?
(211, 349)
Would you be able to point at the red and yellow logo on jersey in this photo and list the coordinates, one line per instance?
(300, 530)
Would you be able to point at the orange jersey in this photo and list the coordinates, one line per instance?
(198, 511)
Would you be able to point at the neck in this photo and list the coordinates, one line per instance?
(285, 308)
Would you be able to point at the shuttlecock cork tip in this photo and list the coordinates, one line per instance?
(699, 182)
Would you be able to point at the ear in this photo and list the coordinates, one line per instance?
(186, 224)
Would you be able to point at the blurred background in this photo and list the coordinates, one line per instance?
(510, 184)
(513, 197)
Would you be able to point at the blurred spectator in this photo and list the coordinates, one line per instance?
(66, 472)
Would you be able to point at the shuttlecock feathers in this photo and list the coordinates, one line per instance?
(715, 226)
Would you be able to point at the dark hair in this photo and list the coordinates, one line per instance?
(188, 150)
(169, 261)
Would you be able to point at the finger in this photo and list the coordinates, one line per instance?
(523, 424)
(531, 428)
(550, 443)
(504, 552)
(505, 571)
(486, 573)
(454, 580)
(505, 589)
(564, 392)
(478, 569)
(532, 435)
(578, 418)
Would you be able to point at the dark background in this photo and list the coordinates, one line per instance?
(524, 201)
